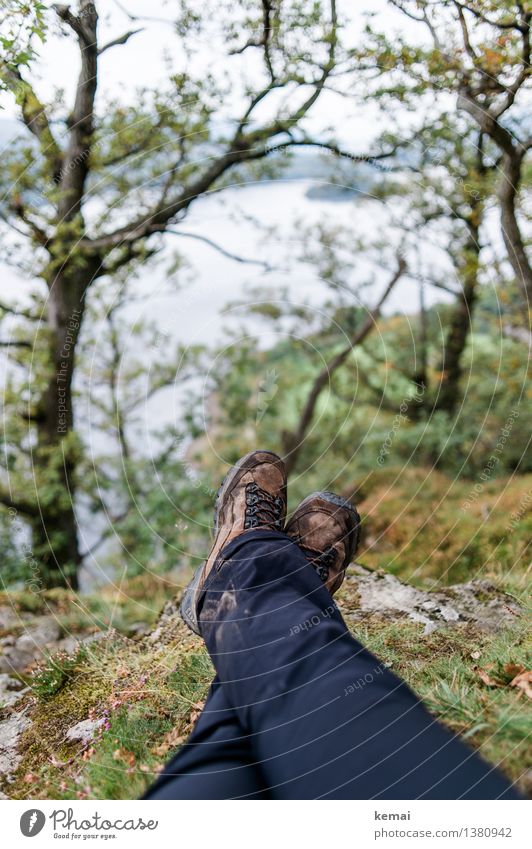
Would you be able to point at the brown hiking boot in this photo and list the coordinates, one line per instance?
(252, 495)
(327, 529)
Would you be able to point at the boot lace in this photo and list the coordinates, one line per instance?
(262, 508)
(321, 561)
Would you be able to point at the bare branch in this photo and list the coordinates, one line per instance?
(120, 40)
(402, 8)
(18, 504)
(18, 209)
(129, 252)
(421, 19)
(433, 281)
(293, 442)
(522, 76)
(465, 34)
(487, 122)
(17, 311)
(16, 343)
(81, 24)
(133, 17)
(254, 102)
(114, 370)
(263, 41)
(34, 116)
(155, 386)
(512, 24)
(222, 250)
(508, 191)
(338, 151)
(513, 156)
(243, 148)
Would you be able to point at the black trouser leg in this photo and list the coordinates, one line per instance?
(301, 708)
(324, 717)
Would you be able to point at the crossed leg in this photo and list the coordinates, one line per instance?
(305, 714)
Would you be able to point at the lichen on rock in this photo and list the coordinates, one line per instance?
(11, 730)
(382, 594)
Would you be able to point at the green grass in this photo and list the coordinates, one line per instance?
(57, 669)
(148, 698)
(443, 668)
(141, 737)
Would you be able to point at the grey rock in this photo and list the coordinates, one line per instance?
(138, 629)
(13, 660)
(70, 645)
(10, 731)
(46, 631)
(95, 638)
(9, 618)
(382, 594)
(478, 602)
(11, 690)
(30, 645)
(84, 731)
(164, 631)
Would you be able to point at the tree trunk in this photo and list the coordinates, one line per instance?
(449, 393)
(420, 377)
(56, 548)
(55, 537)
(517, 256)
